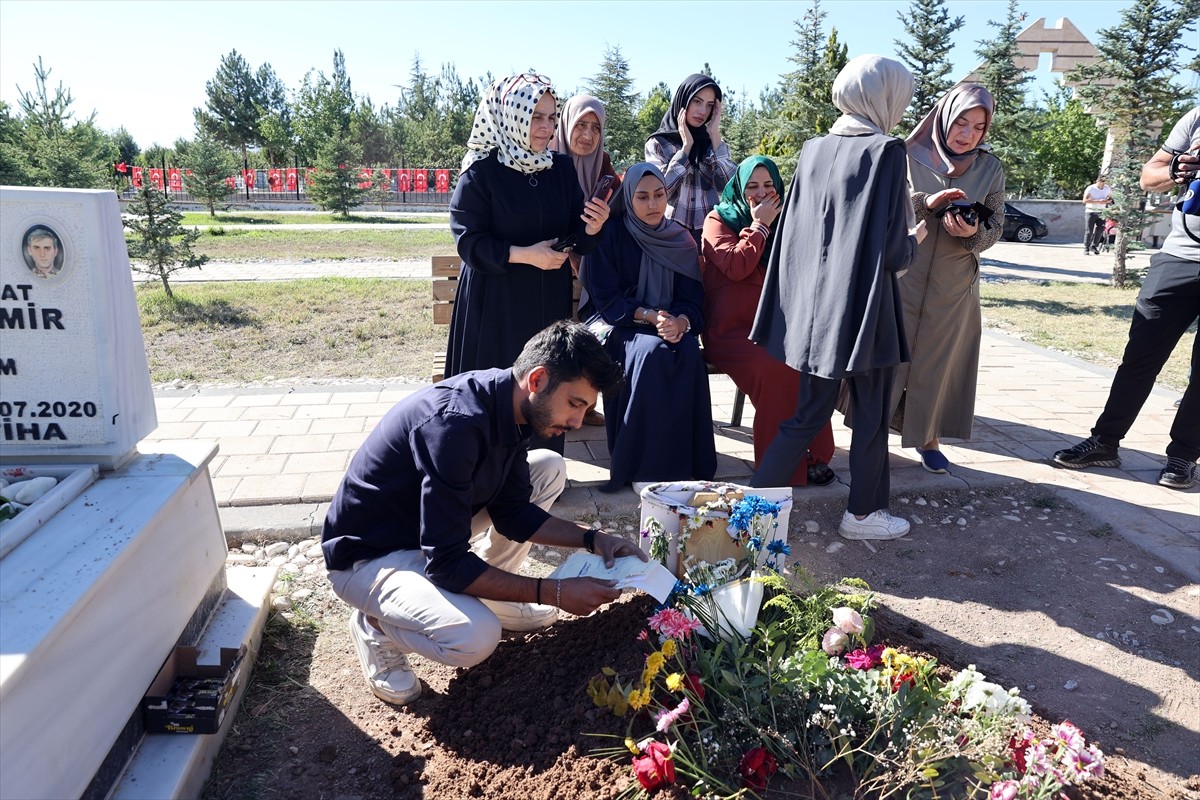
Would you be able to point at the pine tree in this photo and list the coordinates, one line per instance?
(234, 104)
(160, 244)
(334, 186)
(1129, 89)
(323, 109)
(649, 116)
(927, 53)
(612, 86)
(210, 165)
(60, 150)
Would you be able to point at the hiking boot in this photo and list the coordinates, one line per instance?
(1091, 452)
(876, 525)
(524, 616)
(1177, 474)
(384, 664)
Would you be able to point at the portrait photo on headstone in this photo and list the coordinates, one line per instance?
(42, 249)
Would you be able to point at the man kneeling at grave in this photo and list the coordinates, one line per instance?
(444, 465)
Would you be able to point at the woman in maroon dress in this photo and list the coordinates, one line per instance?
(733, 257)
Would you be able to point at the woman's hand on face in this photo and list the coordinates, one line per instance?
(939, 200)
(595, 214)
(685, 133)
(768, 210)
(954, 225)
(714, 125)
(539, 255)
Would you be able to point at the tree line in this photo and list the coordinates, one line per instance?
(1051, 146)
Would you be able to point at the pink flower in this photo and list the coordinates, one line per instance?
(865, 659)
(1084, 763)
(673, 624)
(666, 719)
(1068, 734)
(834, 641)
(1004, 790)
(848, 620)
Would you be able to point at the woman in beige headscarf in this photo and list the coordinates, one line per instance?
(580, 135)
(829, 306)
(948, 163)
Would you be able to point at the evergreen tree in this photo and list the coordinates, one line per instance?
(14, 160)
(807, 91)
(210, 164)
(381, 189)
(127, 153)
(234, 104)
(274, 117)
(60, 150)
(323, 108)
(160, 245)
(433, 117)
(1129, 89)
(649, 116)
(1014, 122)
(612, 86)
(334, 186)
(926, 52)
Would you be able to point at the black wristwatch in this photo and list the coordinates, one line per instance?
(589, 540)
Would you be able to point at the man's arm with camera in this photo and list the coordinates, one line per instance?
(1167, 169)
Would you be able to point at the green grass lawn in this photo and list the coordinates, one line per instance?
(1088, 321)
(290, 245)
(323, 328)
(302, 218)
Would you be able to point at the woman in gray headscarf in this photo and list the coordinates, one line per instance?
(830, 307)
(644, 302)
(948, 163)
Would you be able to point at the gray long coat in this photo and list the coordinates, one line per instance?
(830, 306)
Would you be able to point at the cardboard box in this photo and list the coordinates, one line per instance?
(187, 697)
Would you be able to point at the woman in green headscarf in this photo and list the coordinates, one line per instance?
(733, 256)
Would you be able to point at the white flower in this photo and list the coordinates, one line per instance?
(834, 641)
(848, 620)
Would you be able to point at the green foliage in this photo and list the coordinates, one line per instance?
(235, 98)
(433, 117)
(334, 186)
(807, 104)
(274, 117)
(1131, 91)
(649, 116)
(323, 109)
(48, 146)
(623, 137)
(159, 245)
(926, 50)
(1066, 149)
(210, 164)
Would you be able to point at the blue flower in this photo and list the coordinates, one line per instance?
(755, 544)
(700, 590)
(778, 547)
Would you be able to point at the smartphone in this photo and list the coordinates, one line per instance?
(603, 187)
(564, 245)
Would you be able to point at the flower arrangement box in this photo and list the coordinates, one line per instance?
(688, 506)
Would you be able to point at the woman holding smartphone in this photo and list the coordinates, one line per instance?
(515, 200)
(734, 249)
(580, 135)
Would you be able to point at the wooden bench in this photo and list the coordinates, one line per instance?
(445, 285)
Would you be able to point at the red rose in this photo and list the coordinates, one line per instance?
(654, 767)
(693, 684)
(756, 768)
(903, 678)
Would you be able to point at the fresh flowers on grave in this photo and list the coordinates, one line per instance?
(723, 716)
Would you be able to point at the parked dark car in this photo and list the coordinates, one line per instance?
(1022, 227)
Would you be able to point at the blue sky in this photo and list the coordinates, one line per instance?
(144, 64)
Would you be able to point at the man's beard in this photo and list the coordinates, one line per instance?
(539, 416)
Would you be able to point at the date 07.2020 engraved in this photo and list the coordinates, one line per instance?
(48, 409)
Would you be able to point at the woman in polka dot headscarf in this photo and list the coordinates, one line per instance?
(515, 201)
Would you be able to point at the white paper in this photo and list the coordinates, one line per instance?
(629, 572)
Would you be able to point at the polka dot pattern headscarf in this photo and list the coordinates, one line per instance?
(502, 123)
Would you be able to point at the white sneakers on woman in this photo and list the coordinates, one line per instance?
(876, 525)
(384, 664)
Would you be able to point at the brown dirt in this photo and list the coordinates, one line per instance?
(1021, 589)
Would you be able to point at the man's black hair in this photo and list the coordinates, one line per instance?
(569, 351)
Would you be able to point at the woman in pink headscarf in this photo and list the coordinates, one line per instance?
(958, 189)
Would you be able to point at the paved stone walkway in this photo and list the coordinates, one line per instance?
(283, 451)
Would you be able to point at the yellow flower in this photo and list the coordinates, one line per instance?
(674, 682)
(632, 746)
(654, 662)
(668, 648)
(638, 699)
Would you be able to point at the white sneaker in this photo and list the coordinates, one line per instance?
(522, 616)
(384, 664)
(876, 525)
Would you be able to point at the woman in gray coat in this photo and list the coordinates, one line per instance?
(830, 307)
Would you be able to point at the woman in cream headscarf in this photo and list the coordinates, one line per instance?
(515, 199)
(830, 307)
(580, 135)
(948, 161)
